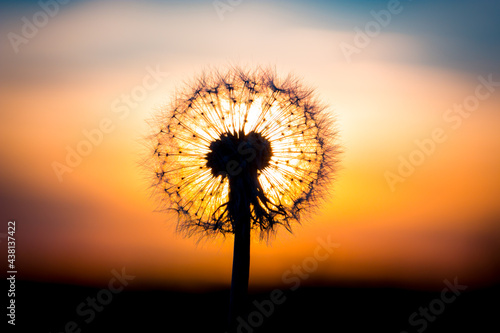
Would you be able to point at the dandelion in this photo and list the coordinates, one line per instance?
(238, 151)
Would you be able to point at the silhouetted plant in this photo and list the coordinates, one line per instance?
(238, 151)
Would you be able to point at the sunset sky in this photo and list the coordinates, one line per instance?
(402, 84)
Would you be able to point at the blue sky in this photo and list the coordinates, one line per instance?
(462, 34)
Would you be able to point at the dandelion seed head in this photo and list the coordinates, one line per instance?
(242, 136)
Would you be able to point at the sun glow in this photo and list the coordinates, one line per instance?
(235, 123)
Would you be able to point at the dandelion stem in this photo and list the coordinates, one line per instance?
(240, 207)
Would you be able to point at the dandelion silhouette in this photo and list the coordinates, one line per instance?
(238, 151)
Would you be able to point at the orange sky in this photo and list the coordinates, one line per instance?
(440, 223)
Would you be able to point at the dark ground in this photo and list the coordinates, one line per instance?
(43, 307)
